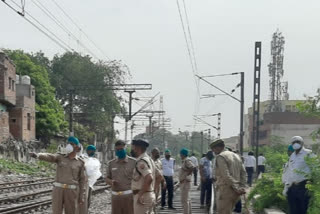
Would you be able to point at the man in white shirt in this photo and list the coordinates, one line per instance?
(250, 163)
(168, 172)
(298, 197)
(261, 164)
(194, 161)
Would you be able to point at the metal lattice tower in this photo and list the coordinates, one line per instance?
(276, 71)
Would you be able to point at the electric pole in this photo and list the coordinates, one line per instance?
(241, 112)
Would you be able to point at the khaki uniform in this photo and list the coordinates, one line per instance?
(230, 175)
(121, 171)
(144, 167)
(185, 177)
(69, 172)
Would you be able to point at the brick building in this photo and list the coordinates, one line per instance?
(17, 103)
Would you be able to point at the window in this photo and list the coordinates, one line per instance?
(13, 84)
(29, 121)
(10, 81)
(288, 108)
(13, 120)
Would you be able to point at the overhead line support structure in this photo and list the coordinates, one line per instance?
(241, 100)
(256, 99)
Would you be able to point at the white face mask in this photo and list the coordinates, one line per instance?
(296, 146)
(69, 149)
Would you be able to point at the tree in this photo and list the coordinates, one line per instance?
(86, 81)
(50, 118)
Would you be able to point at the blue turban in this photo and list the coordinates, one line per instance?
(73, 140)
(91, 148)
(290, 148)
(184, 151)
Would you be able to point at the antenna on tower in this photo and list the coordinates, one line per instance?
(278, 90)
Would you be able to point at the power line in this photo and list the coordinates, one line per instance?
(189, 31)
(80, 29)
(58, 41)
(62, 26)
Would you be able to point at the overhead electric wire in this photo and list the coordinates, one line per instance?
(190, 37)
(58, 41)
(62, 26)
(80, 29)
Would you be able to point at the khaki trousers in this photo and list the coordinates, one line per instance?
(185, 201)
(66, 199)
(146, 208)
(122, 204)
(83, 208)
(226, 199)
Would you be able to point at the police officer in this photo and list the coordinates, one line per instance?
(185, 176)
(69, 185)
(155, 157)
(230, 177)
(144, 178)
(119, 176)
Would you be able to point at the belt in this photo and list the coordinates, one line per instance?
(136, 191)
(64, 186)
(126, 192)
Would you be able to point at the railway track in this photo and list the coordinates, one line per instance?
(39, 204)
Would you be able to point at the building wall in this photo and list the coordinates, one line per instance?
(7, 80)
(4, 124)
(15, 122)
(287, 131)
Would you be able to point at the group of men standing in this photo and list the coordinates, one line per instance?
(136, 181)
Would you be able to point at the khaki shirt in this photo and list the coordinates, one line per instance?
(158, 164)
(184, 173)
(69, 171)
(144, 167)
(230, 171)
(121, 171)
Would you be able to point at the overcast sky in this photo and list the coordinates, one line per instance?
(148, 37)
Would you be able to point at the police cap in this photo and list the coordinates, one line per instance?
(218, 142)
(142, 143)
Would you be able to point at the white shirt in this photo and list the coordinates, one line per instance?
(261, 160)
(250, 161)
(168, 166)
(297, 165)
(202, 160)
(194, 161)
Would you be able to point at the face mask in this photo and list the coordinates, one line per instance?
(168, 156)
(121, 154)
(69, 149)
(91, 154)
(296, 146)
(157, 156)
(132, 154)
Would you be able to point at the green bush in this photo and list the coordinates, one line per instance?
(269, 188)
(314, 185)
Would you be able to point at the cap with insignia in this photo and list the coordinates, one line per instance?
(74, 140)
(142, 143)
(217, 143)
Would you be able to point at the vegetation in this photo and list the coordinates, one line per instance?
(39, 168)
(270, 187)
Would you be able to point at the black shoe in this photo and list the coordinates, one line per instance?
(171, 208)
(162, 208)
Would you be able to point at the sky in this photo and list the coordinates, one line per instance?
(147, 36)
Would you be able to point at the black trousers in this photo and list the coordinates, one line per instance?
(238, 207)
(206, 191)
(261, 169)
(298, 198)
(195, 175)
(250, 171)
(169, 181)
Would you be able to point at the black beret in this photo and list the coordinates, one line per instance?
(141, 143)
